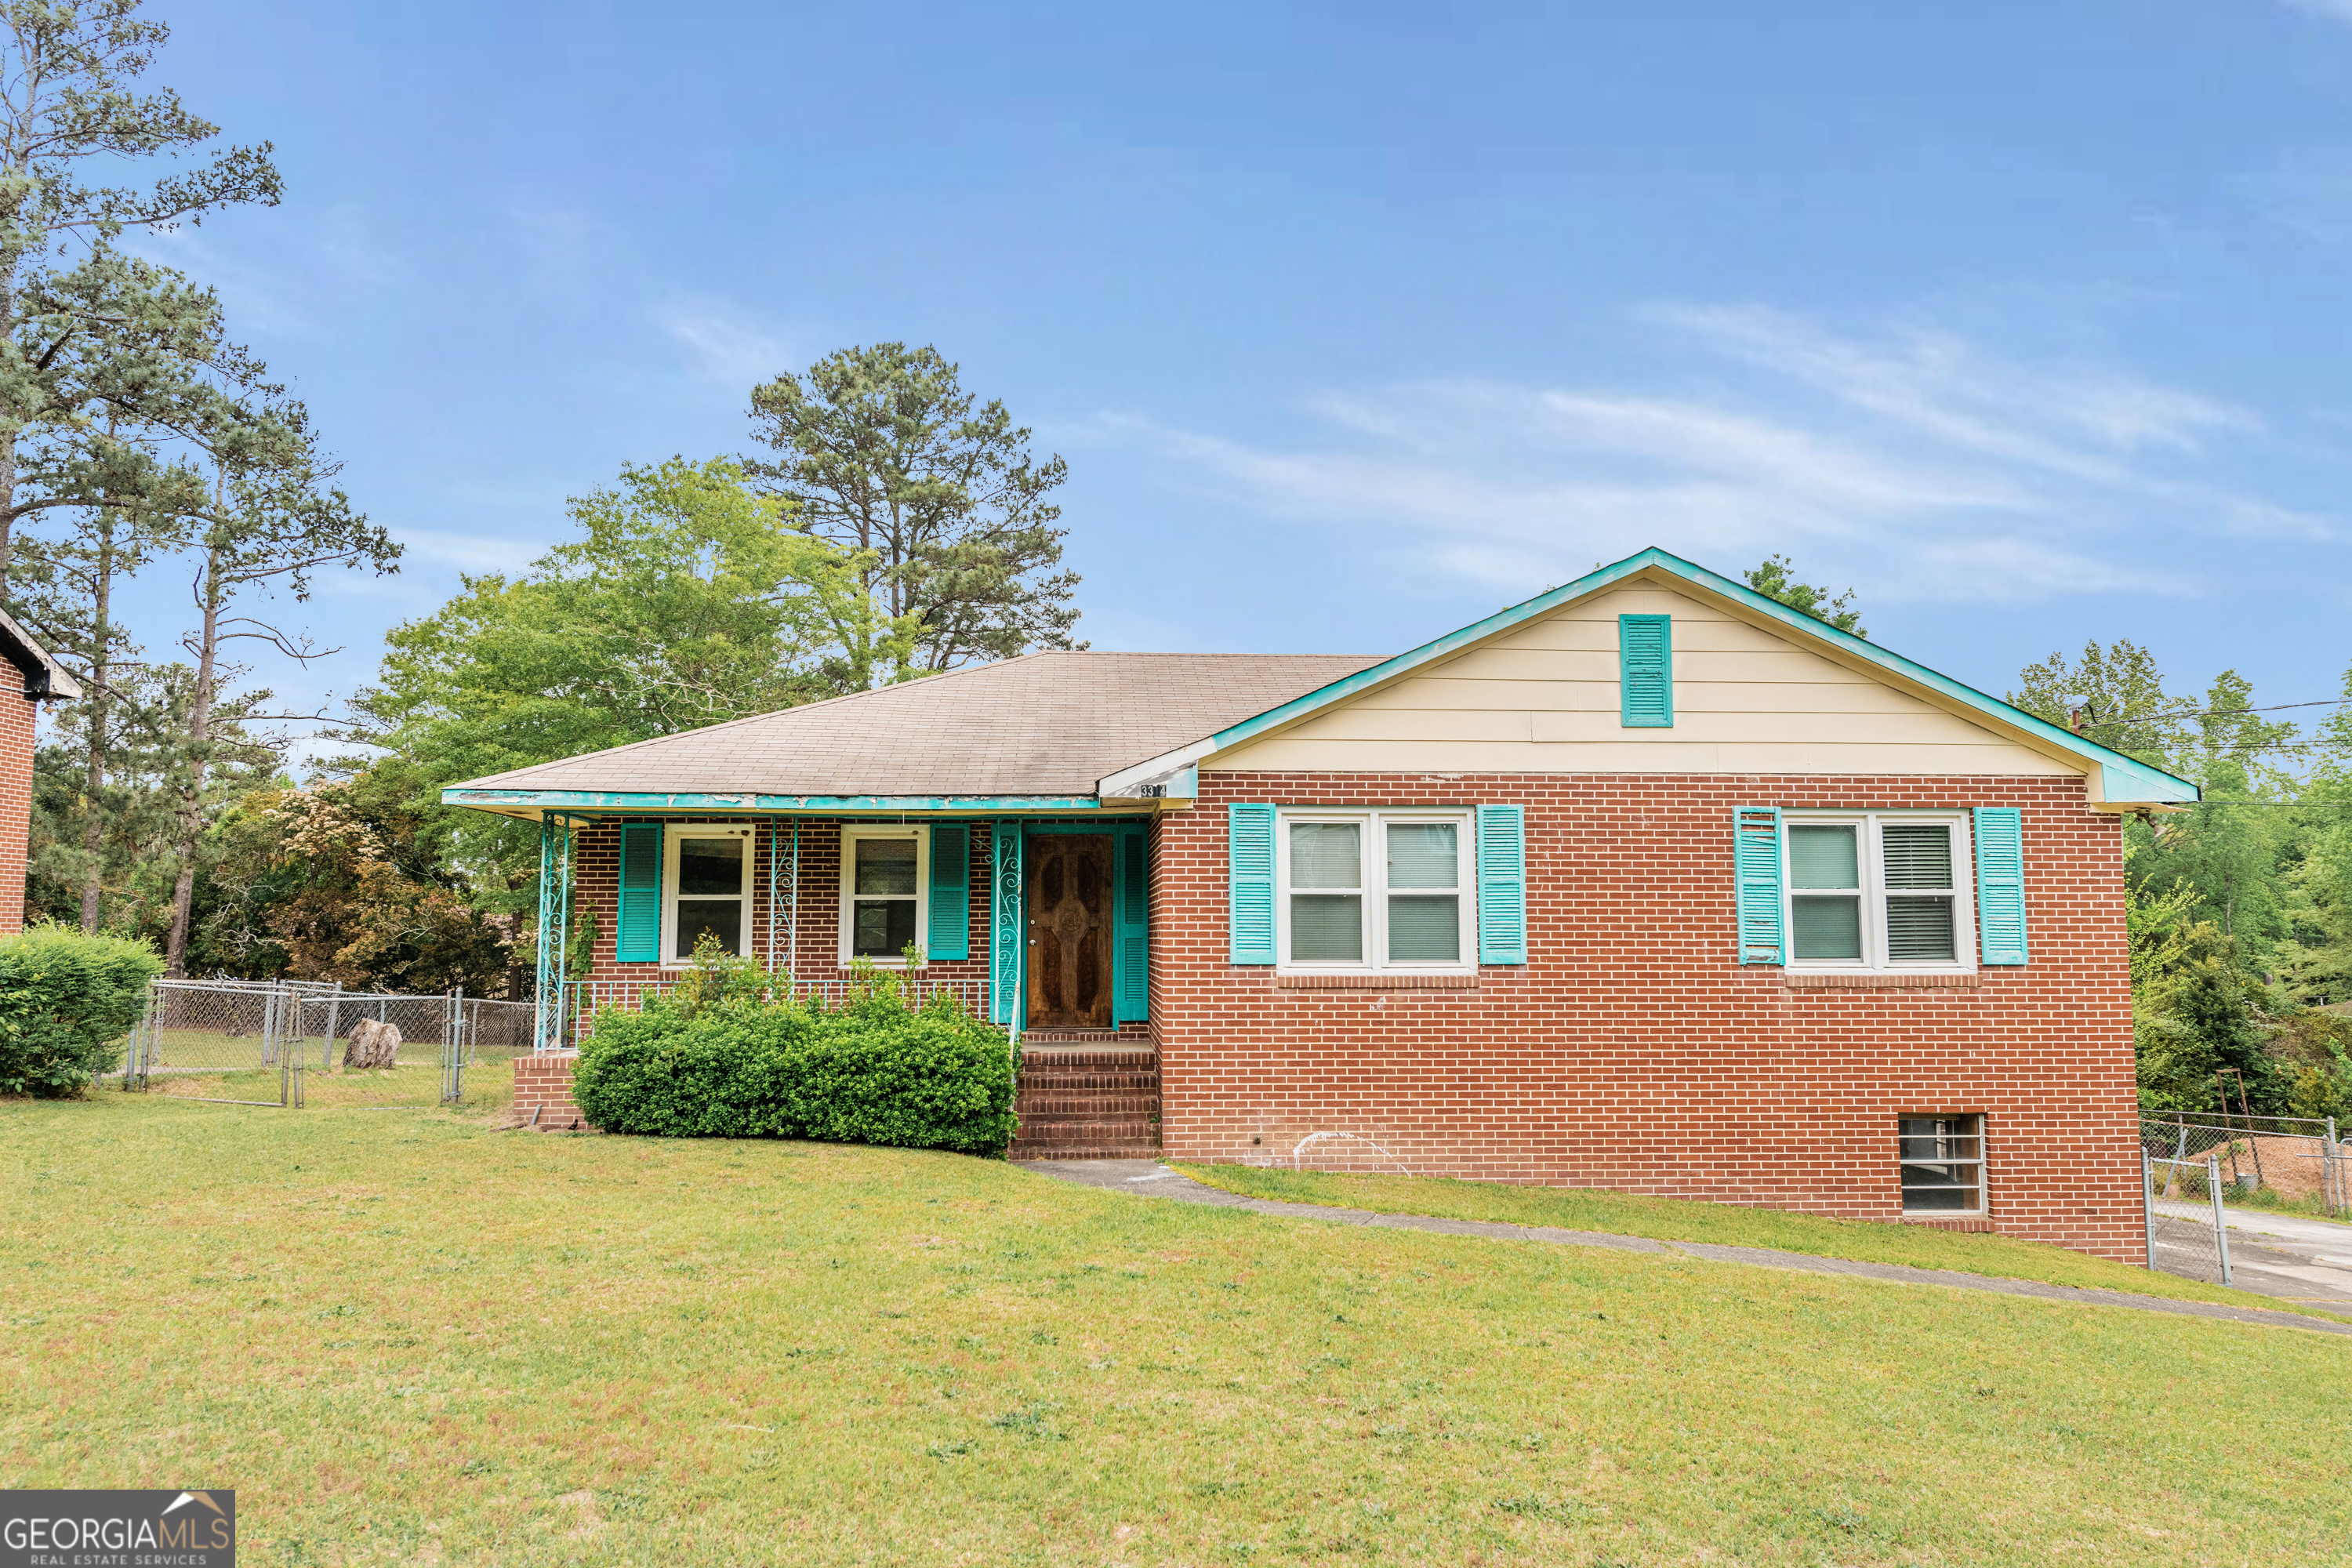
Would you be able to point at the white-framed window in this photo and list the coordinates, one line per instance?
(1375, 891)
(706, 887)
(1941, 1160)
(885, 891)
(1878, 890)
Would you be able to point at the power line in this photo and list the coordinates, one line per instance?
(2219, 712)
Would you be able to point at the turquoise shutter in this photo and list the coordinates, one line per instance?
(1502, 884)
(2000, 883)
(1249, 855)
(1646, 671)
(1130, 986)
(951, 921)
(1756, 867)
(636, 930)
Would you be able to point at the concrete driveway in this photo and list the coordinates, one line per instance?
(2287, 1256)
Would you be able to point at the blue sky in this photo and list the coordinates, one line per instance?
(1357, 322)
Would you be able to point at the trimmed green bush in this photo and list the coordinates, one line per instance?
(67, 1003)
(872, 1071)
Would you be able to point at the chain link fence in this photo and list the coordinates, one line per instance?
(2196, 1165)
(292, 1043)
(2295, 1165)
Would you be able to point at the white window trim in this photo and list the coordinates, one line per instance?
(1874, 960)
(847, 919)
(1375, 891)
(672, 842)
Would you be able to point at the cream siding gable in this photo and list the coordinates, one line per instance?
(1542, 697)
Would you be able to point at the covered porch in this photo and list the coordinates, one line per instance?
(1040, 922)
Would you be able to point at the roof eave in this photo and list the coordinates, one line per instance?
(45, 679)
(538, 802)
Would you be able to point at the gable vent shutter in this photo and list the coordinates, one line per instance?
(2000, 883)
(951, 921)
(1756, 867)
(1131, 959)
(1249, 852)
(1502, 884)
(636, 930)
(1646, 671)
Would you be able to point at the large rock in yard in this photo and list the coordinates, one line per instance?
(372, 1045)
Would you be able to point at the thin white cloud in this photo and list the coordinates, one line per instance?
(2333, 10)
(467, 551)
(723, 343)
(1922, 465)
(2073, 421)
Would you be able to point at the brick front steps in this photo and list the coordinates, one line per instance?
(1087, 1103)
(542, 1093)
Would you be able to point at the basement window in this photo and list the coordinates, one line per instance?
(1942, 1162)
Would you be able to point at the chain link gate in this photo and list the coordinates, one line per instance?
(292, 1043)
(2181, 1239)
(2195, 1163)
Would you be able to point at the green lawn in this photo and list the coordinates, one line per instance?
(417, 1081)
(404, 1337)
(1676, 1219)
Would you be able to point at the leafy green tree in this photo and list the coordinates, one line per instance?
(2113, 695)
(883, 452)
(338, 883)
(84, 326)
(1776, 579)
(686, 600)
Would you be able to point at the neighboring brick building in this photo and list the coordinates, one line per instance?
(1650, 883)
(42, 679)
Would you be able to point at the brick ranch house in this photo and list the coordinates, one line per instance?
(1650, 883)
(44, 681)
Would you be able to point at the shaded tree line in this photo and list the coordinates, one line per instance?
(2241, 905)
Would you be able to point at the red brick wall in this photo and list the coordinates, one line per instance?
(16, 716)
(1633, 1052)
(816, 954)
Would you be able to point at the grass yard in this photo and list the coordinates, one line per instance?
(1676, 1219)
(404, 1337)
(415, 1081)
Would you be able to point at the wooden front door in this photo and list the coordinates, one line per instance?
(1069, 930)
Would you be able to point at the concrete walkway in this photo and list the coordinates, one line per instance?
(1150, 1178)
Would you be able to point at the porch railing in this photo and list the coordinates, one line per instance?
(576, 1014)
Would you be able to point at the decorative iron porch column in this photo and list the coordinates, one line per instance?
(1007, 935)
(555, 855)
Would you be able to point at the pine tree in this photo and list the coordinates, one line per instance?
(883, 452)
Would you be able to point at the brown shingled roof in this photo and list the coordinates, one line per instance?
(1045, 723)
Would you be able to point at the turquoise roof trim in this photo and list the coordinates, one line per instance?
(657, 802)
(2122, 778)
